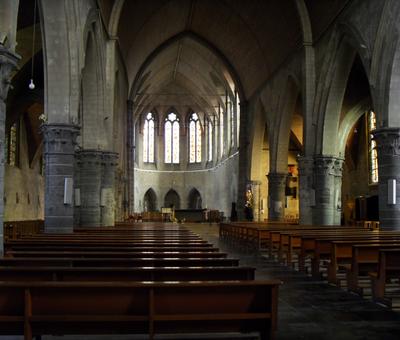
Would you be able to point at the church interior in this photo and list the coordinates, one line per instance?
(199, 169)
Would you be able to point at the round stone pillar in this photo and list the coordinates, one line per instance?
(109, 164)
(388, 149)
(327, 183)
(306, 191)
(276, 196)
(8, 63)
(90, 187)
(59, 142)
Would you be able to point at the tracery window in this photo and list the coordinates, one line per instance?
(12, 145)
(373, 155)
(194, 139)
(148, 138)
(171, 138)
(210, 141)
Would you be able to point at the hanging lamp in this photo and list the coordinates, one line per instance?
(31, 84)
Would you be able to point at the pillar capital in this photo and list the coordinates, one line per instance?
(59, 138)
(110, 158)
(8, 63)
(328, 165)
(278, 178)
(305, 165)
(387, 141)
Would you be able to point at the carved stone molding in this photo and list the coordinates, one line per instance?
(90, 156)
(59, 138)
(387, 141)
(277, 179)
(8, 63)
(328, 165)
(305, 165)
(110, 158)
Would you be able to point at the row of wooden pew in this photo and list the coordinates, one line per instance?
(135, 279)
(344, 254)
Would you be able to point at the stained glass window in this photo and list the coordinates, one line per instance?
(194, 139)
(210, 141)
(373, 155)
(148, 139)
(12, 145)
(171, 139)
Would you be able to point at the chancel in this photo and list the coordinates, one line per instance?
(199, 169)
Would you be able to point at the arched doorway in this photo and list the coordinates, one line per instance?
(150, 200)
(172, 199)
(194, 199)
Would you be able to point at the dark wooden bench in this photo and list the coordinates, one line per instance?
(116, 274)
(38, 308)
(106, 248)
(388, 268)
(117, 262)
(119, 254)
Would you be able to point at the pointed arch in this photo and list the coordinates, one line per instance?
(194, 199)
(172, 199)
(150, 200)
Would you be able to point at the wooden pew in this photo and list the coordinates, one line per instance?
(117, 262)
(130, 274)
(388, 268)
(356, 258)
(39, 308)
(120, 254)
(77, 247)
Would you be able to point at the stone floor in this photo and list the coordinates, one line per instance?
(308, 309)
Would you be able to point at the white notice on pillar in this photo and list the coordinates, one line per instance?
(391, 192)
(68, 187)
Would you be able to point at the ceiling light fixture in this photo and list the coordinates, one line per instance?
(31, 84)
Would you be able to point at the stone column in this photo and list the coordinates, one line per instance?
(276, 196)
(8, 63)
(327, 183)
(388, 148)
(109, 164)
(306, 191)
(337, 208)
(90, 187)
(59, 142)
(130, 204)
(243, 165)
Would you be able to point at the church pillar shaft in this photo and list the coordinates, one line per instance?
(90, 187)
(243, 167)
(276, 194)
(388, 149)
(108, 189)
(8, 62)
(130, 200)
(306, 199)
(59, 151)
(327, 183)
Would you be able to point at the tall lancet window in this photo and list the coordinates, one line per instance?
(148, 139)
(221, 132)
(373, 155)
(210, 141)
(194, 139)
(171, 139)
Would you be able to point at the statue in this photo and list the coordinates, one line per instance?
(248, 207)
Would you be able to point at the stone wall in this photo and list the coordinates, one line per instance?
(217, 186)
